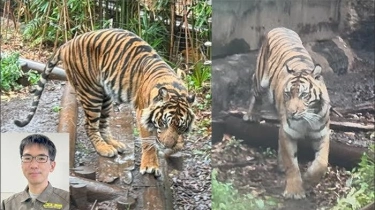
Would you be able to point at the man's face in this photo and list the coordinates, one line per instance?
(37, 173)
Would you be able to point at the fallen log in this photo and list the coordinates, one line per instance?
(266, 135)
(351, 126)
(57, 73)
(358, 108)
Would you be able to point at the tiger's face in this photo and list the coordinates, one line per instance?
(171, 117)
(302, 95)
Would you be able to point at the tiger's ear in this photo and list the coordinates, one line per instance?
(190, 98)
(163, 94)
(317, 71)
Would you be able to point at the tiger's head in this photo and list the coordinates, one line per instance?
(305, 95)
(171, 117)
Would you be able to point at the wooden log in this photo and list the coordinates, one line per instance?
(266, 135)
(78, 193)
(358, 108)
(351, 126)
(97, 190)
(57, 73)
(68, 119)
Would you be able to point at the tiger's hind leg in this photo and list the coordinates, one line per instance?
(149, 159)
(288, 150)
(104, 125)
(319, 166)
(92, 109)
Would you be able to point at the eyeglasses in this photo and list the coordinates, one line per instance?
(39, 158)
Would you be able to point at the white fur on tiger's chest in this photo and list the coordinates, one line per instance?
(301, 129)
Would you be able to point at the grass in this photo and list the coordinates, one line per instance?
(225, 196)
(362, 184)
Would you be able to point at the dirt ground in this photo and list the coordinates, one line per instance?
(254, 170)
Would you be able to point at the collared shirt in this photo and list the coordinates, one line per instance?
(50, 198)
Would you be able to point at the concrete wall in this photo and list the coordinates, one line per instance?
(238, 25)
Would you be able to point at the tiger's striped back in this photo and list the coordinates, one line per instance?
(119, 61)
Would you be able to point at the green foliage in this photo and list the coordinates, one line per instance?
(56, 108)
(10, 72)
(362, 190)
(225, 196)
(202, 12)
(135, 131)
(154, 33)
(51, 20)
(201, 74)
(33, 77)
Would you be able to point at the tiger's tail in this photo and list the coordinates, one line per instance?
(39, 89)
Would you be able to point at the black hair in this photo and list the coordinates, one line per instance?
(41, 140)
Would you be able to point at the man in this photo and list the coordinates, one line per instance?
(38, 160)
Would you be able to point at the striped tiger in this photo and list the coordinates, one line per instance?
(287, 78)
(115, 64)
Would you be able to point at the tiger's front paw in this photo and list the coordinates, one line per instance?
(294, 189)
(150, 169)
(105, 149)
(149, 163)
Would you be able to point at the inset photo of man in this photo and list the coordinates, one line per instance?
(34, 171)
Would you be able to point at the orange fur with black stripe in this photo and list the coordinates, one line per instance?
(115, 64)
(287, 77)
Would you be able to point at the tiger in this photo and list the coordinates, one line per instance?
(287, 78)
(116, 65)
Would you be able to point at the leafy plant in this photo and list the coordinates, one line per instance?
(53, 21)
(202, 12)
(226, 197)
(201, 74)
(362, 191)
(10, 72)
(33, 77)
(154, 33)
(56, 108)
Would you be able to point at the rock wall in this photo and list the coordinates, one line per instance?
(238, 25)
